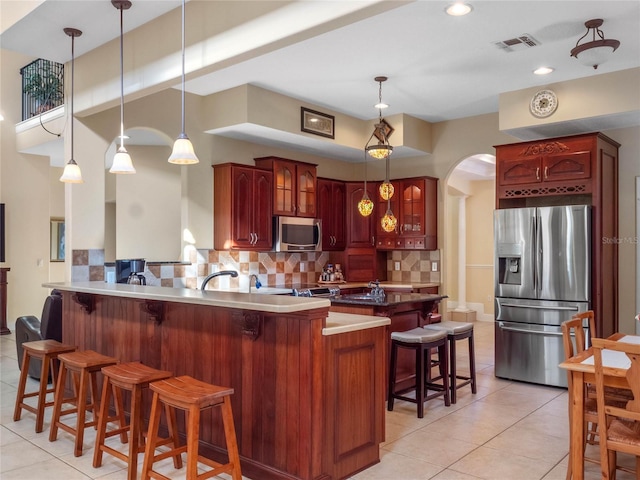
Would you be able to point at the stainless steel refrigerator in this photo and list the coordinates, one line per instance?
(542, 277)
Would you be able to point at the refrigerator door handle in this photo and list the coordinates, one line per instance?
(534, 235)
(539, 254)
(539, 307)
(502, 326)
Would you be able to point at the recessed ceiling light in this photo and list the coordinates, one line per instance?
(458, 9)
(543, 70)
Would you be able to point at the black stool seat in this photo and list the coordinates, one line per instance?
(421, 341)
(458, 331)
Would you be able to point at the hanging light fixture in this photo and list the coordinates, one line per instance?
(382, 149)
(71, 173)
(388, 221)
(183, 153)
(386, 188)
(122, 160)
(365, 205)
(595, 52)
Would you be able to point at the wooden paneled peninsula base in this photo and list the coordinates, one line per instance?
(308, 386)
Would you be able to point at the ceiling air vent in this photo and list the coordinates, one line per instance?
(521, 42)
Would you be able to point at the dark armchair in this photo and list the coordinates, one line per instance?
(49, 327)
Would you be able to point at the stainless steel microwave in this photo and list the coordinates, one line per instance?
(297, 234)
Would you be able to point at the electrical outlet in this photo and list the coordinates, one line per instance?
(302, 266)
(396, 266)
(434, 266)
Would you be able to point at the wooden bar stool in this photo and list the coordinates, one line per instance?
(192, 396)
(83, 365)
(421, 341)
(47, 352)
(458, 331)
(133, 377)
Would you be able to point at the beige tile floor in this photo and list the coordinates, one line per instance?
(508, 430)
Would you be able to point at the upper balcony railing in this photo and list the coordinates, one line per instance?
(42, 87)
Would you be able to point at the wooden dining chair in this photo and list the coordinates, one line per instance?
(574, 338)
(619, 426)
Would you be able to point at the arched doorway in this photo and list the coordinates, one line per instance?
(469, 201)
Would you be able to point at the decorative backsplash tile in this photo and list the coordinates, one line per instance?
(272, 268)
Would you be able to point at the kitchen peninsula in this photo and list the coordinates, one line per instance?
(308, 385)
(405, 310)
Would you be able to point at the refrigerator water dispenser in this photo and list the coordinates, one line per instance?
(509, 268)
(509, 263)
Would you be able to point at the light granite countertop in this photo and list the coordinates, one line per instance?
(245, 301)
(351, 322)
(336, 323)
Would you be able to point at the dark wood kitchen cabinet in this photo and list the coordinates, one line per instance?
(361, 259)
(560, 166)
(294, 186)
(361, 231)
(332, 197)
(573, 170)
(415, 205)
(242, 207)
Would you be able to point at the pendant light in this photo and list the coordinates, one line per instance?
(365, 205)
(122, 160)
(183, 153)
(386, 188)
(388, 222)
(382, 149)
(71, 173)
(595, 52)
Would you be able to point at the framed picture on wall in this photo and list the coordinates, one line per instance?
(57, 240)
(317, 123)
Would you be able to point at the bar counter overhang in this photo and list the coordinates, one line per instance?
(309, 386)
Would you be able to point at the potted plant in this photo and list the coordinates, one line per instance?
(45, 87)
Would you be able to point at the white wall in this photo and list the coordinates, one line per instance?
(24, 188)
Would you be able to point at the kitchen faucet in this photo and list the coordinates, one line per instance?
(233, 273)
(376, 290)
(258, 284)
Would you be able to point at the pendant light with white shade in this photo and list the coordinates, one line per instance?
(183, 153)
(71, 173)
(122, 160)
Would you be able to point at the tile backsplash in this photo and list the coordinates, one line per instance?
(272, 268)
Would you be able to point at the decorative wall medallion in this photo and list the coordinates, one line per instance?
(543, 104)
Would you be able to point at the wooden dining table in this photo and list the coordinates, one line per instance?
(582, 370)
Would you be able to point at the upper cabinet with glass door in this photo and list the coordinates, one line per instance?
(294, 186)
(415, 205)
